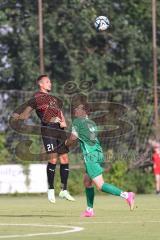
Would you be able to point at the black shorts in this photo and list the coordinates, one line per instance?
(54, 138)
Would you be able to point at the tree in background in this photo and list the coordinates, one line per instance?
(18, 50)
(120, 58)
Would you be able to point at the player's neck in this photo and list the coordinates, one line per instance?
(43, 90)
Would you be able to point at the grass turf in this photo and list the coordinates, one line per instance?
(113, 219)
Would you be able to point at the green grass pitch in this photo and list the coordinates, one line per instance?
(34, 218)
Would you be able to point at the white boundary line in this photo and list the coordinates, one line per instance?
(72, 229)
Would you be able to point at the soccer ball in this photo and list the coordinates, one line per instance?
(101, 23)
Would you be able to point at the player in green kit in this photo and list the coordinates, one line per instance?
(85, 130)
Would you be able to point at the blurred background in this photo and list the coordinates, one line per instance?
(120, 65)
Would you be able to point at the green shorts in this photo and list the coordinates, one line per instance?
(93, 164)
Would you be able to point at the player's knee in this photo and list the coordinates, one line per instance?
(99, 186)
(64, 159)
(53, 161)
(52, 158)
(87, 182)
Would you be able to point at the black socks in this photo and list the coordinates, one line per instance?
(50, 175)
(64, 173)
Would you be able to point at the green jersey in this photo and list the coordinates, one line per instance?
(86, 131)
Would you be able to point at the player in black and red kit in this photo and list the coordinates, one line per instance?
(48, 109)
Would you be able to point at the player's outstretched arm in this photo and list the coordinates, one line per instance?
(24, 115)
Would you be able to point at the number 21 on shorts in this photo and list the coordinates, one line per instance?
(50, 147)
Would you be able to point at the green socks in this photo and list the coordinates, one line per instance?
(90, 197)
(109, 188)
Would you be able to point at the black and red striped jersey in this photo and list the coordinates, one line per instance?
(46, 106)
